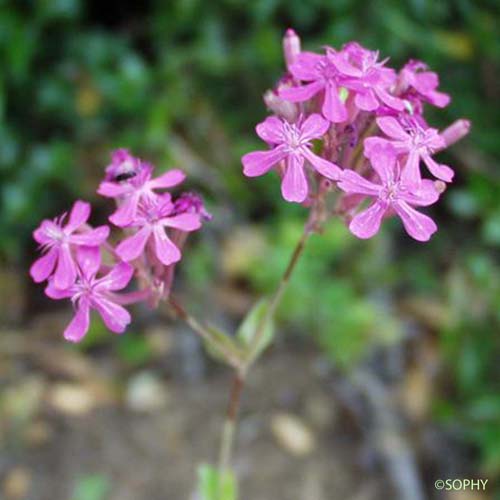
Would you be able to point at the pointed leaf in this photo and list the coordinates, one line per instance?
(256, 319)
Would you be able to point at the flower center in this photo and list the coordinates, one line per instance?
(327, 70)
(55, 233)
(390, 192)
(293, 136)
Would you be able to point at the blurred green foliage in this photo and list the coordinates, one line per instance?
(181, 82)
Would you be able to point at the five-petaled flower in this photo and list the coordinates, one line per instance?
(292, 143)
(90, 292)
(415, 141)
(59, 241)
(367, 77)
(417, 81)
(391, 194)
(320, 75)
(134, 190)
(151, 220)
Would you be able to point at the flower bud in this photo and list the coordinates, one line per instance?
(456, 131)
(285, 109)
(291, 47)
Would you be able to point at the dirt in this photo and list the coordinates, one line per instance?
(155, 455)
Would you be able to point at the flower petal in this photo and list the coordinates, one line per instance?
(270, 130)
(294, 185)
(79, 215)
(127, 211)
(79, 325)
(57, 294)
(115, 317)
(117, 279)
(89, 260)
(166, 251)
(112, 189)
(92, 237)
(440, 171)
(306, 66)
(322, 166)
(130, 248)
(42, 268)
(373, 142)
(417, 225)
(302, 93)
(333, 108)
(388, 99)
(260, 162)
(314, 127)
(423, 195)
(383, 161)
(351, 182)
(411, 172)
(366, 101)
(344, 66)
(392, 128)
(367, 223)
(65, 274)
(184, 222)
(167, 180)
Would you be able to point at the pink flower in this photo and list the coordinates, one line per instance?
(366, 76)
(57, 241)
(152, 218)
(190, 202)
(90, 292)
(292, 143)
(123, 166)
(393, 194)
(418, 143)
(416, 79)
(321, 75)
(134, 190)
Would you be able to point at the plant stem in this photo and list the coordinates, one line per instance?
(230, 422)
(228, 430)
(241, 369)
(278, 294)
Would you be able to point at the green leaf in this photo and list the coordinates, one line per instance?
(214, 485)
(91, 487)
(220, 344)
(249, 326)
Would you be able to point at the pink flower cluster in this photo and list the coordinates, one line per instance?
(155, 226)
(347, 117)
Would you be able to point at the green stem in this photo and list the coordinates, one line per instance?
(229, 428)
(278, 295)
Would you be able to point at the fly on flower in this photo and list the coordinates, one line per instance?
(156, 230)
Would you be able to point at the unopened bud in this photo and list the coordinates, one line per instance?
(285, 109)
(456, 131)
(291, 47)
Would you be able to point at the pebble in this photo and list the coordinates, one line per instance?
(293, 434)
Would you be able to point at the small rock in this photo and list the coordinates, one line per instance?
(146, 393)
(17, 483)
(71, 399)
(293, 434)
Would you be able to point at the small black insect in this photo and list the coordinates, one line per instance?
(125, 176)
